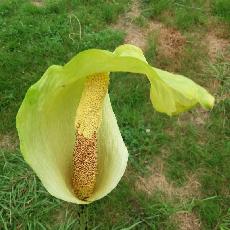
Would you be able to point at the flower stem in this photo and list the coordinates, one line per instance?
(83, 217)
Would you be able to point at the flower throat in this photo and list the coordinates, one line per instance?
(87, 122)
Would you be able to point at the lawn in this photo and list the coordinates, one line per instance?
(178, 174)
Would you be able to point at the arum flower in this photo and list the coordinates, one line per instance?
(67, 129)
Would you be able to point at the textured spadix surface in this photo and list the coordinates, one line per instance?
(45, 121)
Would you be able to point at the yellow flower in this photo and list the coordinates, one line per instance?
(67, 129)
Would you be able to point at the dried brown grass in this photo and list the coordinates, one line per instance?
(158, 182)
(186, 221)
(8, 142)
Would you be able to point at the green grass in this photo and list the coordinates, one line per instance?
(37, 43)
(153, 8)
(183, 14)
(221, 8)
(30, 45)
(151, 50)
(141, 21)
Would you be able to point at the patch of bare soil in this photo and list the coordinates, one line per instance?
(219, 52)
(198, 117)
(134, 34)
(190, 189)
(170, 41)
(170, 47)
(217, 46)
(8, 142)
(38, 3)
(214, 85)
(186, 221)
(135, 10)
(158, 182)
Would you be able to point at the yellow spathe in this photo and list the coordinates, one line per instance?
(46, 118)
